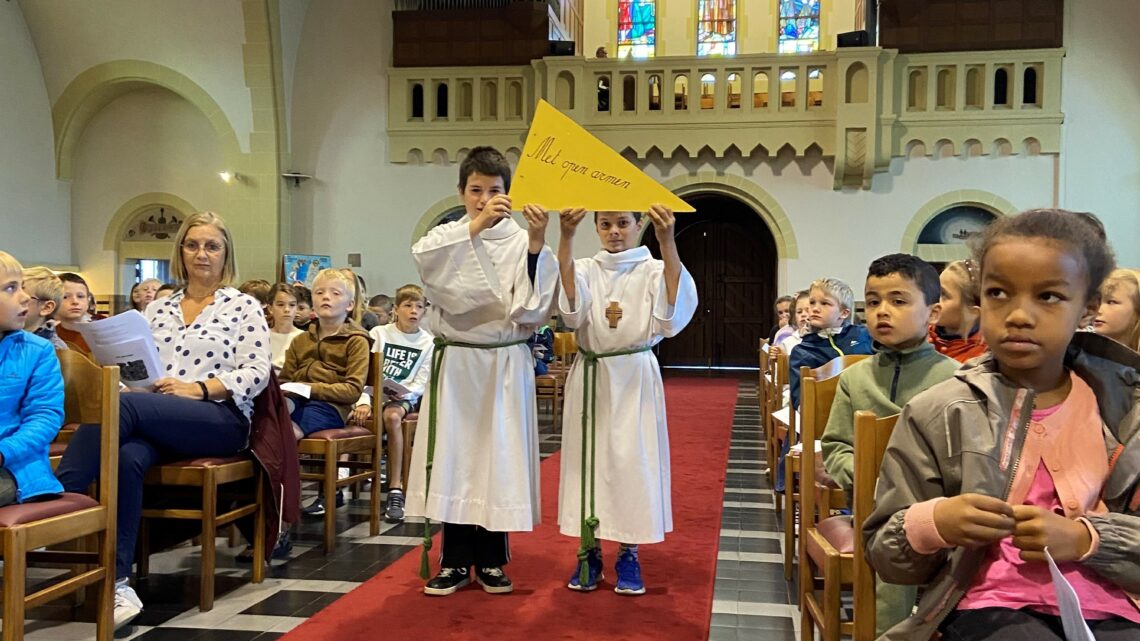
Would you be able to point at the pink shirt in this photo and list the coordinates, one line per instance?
(1063, 467)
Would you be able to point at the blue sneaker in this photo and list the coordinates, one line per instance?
(629, 574)
(594, 565)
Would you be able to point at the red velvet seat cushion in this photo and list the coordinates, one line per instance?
(22, 513)
(839, 532)
(340, 432)
(207, 461)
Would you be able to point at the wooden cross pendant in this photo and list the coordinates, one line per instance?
(613, 314)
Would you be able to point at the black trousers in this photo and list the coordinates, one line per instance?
(471, 545)
(1004, 624)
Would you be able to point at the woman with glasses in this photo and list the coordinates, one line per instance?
(214, 344)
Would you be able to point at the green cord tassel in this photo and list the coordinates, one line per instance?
(425, 562)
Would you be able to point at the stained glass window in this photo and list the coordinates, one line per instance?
(637, 28)
(716, 29)
(799, 26)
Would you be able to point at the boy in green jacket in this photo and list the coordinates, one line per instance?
(901, 297)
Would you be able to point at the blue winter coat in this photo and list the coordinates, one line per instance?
(816, 350)
(31, 411)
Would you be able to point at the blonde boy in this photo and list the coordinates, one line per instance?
(331, 357)
(31, 399)
(45, 290)
(407, 350)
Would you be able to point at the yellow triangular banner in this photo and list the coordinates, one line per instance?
(563, 165)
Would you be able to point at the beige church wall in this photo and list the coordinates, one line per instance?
(35, 211)
(757, 22)
(1100, 159)
(148, 141)
(201, 39)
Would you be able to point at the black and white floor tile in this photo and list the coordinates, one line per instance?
(751, 599)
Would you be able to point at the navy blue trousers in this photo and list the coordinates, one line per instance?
(153, 428)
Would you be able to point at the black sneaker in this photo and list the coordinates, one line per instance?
(447, 581)
(394, 511)
(493, 580)
(317, 507)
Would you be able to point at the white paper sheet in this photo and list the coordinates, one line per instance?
(799, 447)
(299, 389)
(784, 416)
(125, 340)
(394, 389)
(1071, 618)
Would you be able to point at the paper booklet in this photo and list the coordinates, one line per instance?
(299, 389)
(125, 340)
(394, 389)
(1072, 620)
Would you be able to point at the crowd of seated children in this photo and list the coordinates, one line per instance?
(45, 292)
(1018, 453)
(143, 292)
(31, 397)
(331, 358)
(73, 311)
(957, 333)
(1118, 316)
(214, 344)
(901, 298)
(407, 349)
(281, 313)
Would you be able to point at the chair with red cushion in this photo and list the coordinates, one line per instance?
(91, 395)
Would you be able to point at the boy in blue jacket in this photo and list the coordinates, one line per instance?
(31, 397)
(832, 335)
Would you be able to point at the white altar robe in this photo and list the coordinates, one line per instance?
(485, 469)
(633, 502)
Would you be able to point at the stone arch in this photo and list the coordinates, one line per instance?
(976, 197)
(98, 86)
(434, 213)
(749, 193)
(126, 213)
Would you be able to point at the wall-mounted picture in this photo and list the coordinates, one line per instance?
(303, 268)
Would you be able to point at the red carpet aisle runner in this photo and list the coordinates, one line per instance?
(679, 573)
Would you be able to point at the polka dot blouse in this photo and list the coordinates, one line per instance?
(229, 341)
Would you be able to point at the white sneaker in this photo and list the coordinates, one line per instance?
(127, 603)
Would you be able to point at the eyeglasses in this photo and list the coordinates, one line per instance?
(213, 248)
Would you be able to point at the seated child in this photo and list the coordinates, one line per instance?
(791, 334)
(621, 302)
(45, 291)
(73, 310)
(957, 333)
(901, 298)
(331, 357)
(783, 316)
(407, 351)
(832, 335)
(1021, 450)
(381, 306)
(259, 289)
(281, 312)
(1118, 316)
(142, 293)
(541, 344)
(31, 397)
(164, 290)
(305, 314)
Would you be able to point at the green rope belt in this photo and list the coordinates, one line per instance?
(587, 535)
(441, 345)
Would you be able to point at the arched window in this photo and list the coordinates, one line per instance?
(417, 100)
(1029, 87)
(944, 97)
(708, 91)
(1001, 87)
(760, 90)
(716, 27)
(466, 100)
(799, 26)
(490, 100)
(734, 91)
(681, 93)
(655, 93)
(637, 28)
(629, 93)
(441, 100)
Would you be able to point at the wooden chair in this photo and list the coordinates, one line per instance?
(796, 461)
(777, 379)
(549, 387)
(565, 351)
(830, 549)
(326, 446)
(213, 477)
(91, 395)
(762, 384)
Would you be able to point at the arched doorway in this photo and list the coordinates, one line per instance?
(732, 256)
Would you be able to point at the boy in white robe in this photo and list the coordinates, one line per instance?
(490, 283)
(615, 479)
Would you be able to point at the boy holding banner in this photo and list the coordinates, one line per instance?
(475, 466)
(620, 302)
